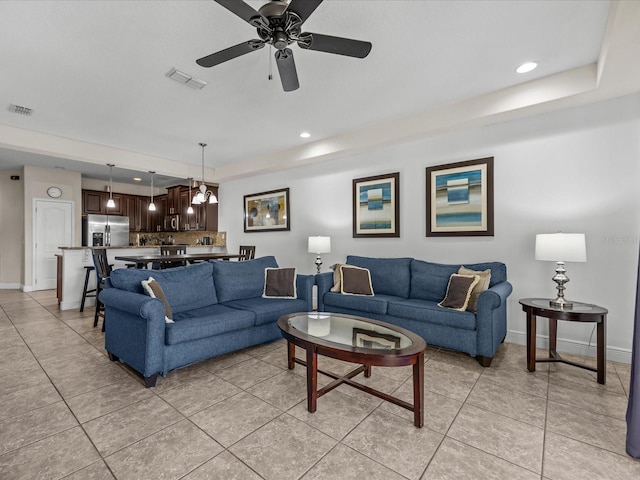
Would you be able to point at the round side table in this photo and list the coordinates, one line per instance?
(581, 312)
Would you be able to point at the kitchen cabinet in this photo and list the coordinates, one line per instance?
(211, 214)
(139, 214)
(95, 202)
(173, 200)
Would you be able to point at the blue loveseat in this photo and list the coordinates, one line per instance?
(407, 292)
(217, 308)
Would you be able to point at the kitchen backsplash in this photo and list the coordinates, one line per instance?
(215, 239)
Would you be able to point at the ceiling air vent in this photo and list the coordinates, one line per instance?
(20, 109)
(186, 79)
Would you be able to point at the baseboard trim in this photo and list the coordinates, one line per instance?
(27, 288)
(614, 354)
(9, 286)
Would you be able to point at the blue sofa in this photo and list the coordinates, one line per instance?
(217, 308)
(407, 292)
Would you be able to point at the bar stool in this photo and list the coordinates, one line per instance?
(87, 293)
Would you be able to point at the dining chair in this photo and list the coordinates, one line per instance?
(172, 250)
(248, 252)
(103, 271)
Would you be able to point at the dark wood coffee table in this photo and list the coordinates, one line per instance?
(358, 340)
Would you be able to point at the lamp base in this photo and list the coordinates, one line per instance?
(561, 303)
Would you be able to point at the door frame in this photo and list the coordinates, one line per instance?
(34, 234)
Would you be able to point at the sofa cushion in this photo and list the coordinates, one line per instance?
(429, 312)
(389, 276)
(459, 291)
(238, 280)
(279, 283)
(498, 271)
(337, 283)
(429, 280)
(207, 322)
(267, 310)
(355, 280)
(186, 288)
(154, 290)
(364, 304)
(481, 286)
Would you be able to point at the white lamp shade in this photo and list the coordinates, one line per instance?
(111, 203)
(152, 207)
(561, 247)
(319, 245)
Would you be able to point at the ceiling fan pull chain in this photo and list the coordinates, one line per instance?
(270, 68)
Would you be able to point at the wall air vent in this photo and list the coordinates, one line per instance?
(20, 109)
(186, 79)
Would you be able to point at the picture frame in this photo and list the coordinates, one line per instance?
(460, 199)
(376, 206)
(267, 211)
(367, 338)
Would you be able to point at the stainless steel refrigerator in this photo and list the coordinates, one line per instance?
(105, 231)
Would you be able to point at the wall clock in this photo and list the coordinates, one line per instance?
(54, 192)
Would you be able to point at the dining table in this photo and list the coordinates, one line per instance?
(142, 261)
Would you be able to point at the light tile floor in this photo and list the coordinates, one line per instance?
(66, 411)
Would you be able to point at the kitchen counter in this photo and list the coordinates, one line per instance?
(74, 259)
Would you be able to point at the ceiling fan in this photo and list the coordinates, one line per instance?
(279, 23)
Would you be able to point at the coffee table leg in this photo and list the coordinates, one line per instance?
(291, 354)
(531, 341)
(367, 371)
(418, 391)
(312, 379)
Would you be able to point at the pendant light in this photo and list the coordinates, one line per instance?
(152, 206)
(190, 208)
(110, 202)
(203, 195)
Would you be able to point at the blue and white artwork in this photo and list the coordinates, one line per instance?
(459, 199)
(375, 210)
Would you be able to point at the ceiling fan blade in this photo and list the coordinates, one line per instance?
(244, 11)
(304, 8)
(287, 70)
(230, 53)
(339, 45)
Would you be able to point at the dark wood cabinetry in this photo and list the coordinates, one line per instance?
(136, 207)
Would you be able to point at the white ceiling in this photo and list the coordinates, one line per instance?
(94, 74)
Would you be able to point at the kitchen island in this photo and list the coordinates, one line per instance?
(74, 259)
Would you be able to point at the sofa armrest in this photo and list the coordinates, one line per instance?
(134, 329)
(491, 318)
(304, 289)
(324, 281)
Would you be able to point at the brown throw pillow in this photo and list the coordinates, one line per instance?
(481, 286)
(355, 281)
(337, 283)
(459, 291)
(279, 283)
(154, 290)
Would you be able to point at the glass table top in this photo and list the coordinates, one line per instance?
(349, 331)
(577, 307)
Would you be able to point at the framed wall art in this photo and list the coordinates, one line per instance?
(460, 199)
(376, 206)
(267, 211)
(372, 339)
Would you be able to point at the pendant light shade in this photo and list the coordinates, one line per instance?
(203, 195)
(152, 206)
(110, 202)
(190, 208)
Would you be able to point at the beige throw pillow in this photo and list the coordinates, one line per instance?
(459, 291)
(355, 281)
(481, 286)
(336, 278)
(154, 290)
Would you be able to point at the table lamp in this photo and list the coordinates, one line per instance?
(319, 245)
(560, 248)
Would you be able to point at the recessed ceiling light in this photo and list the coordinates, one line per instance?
(305, 135)
(526, 67)
(137, 179)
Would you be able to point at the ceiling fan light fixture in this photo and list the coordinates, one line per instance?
(526, 67)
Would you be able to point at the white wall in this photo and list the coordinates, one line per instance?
(11, 228)
(572, 171)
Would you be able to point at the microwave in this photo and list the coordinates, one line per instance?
(172, 223)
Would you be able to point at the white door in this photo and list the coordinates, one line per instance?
(53, 229)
